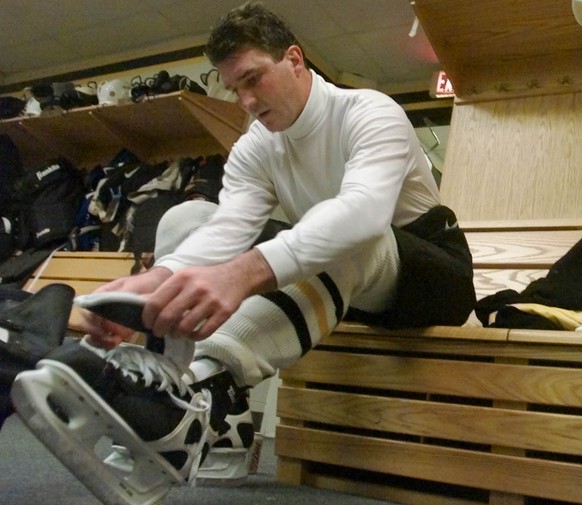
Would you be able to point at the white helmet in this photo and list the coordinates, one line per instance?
(32, 107)
(114, 92)
(88, 89)
(215, 88)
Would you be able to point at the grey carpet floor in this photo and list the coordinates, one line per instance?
(31, 475)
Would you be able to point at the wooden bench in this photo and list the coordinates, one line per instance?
(83, 271)
(445, 415)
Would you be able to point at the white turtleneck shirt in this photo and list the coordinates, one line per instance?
(348, 168)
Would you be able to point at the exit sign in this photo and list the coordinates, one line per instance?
(442, 87)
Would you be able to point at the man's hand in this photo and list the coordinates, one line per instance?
(106, 334)
(195, 301)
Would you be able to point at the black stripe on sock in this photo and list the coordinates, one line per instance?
(293, 312)
(335, 295)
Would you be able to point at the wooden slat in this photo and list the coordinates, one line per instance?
(524, 248)
(97, 269)
(490, 281)
(535, 384)
(540, 346)
(522, 225)
(80, 287)
(562, 338)
(107, 255)
(392, 494)
(465, 423)
(376, 334)
(455, 466)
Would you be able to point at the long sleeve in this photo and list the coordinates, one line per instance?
(245, 203)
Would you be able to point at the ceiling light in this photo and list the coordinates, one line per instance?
(577, 9)
(414, 29)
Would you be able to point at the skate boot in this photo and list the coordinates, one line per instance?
(224, 459)
(231, 431)
(84, 406)
(31, 325)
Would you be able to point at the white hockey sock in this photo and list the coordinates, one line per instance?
(205, 367)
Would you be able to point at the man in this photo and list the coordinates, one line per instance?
(367, 232)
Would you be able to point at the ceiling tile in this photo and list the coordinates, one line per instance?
(345, 54)
(14, 32)
(66, 15)
(43, 54)
(196, 18)
(119, 35)
(312, 22)
(365, 37)
(363, 15)
(402, 58)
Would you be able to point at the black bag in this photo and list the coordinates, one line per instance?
(49, 200)
(10, 171)
(7, 246)
(146, 218)
(17, 269)
(33, 325)
(207, 178)
(11, 106)
(147, 214)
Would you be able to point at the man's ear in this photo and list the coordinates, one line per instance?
(295, 56)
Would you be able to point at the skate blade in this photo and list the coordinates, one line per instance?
(224, 467)
(79, 428)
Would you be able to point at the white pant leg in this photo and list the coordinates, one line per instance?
(179, 222)
(377, 266)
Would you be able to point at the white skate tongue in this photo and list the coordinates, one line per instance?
(180, 351)
(118, 306)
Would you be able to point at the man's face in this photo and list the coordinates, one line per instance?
(268, 90)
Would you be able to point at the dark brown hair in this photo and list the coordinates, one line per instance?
(251, 25)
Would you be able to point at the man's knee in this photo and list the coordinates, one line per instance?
(178, 222)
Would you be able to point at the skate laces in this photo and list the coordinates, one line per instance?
(138, 363)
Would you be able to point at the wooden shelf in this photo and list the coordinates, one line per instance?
(501, 47)
(164, 127)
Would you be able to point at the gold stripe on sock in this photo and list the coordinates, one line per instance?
(315, 299)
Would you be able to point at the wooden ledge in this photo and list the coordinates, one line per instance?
(442, 332)
(546, 337)
(522, 225)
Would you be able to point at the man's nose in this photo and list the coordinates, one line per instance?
(246, 100)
